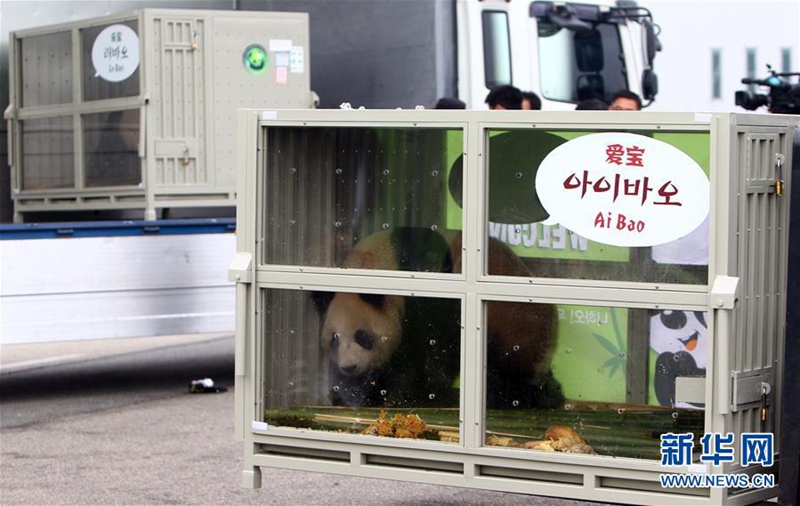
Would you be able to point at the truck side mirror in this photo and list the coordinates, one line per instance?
(649, 85)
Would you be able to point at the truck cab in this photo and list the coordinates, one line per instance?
(563, 51)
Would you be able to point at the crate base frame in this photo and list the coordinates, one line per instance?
(30, 204)
(504, 470)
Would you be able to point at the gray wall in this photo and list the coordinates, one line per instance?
(379, 54)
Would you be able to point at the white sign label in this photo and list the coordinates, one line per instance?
(115, 53)
(623, 189)
(297, 60)
(276, 45)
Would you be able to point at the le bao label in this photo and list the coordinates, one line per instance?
(623, 189)
(115, 53)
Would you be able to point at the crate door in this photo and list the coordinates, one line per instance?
(179, 102)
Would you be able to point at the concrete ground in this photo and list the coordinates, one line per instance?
(102, 422)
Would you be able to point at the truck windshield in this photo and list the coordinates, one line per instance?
(575, 65)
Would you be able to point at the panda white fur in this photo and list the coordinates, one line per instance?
(394, 351)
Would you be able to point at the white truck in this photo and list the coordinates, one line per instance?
(406, 53)
(83, 278)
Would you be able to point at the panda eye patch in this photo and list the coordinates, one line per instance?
(364, 339)
(334, 340)
(673, 319)
(373, 299)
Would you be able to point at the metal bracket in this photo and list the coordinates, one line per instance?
(691, 389)
(239, 270)
(750, 387)
(724, 292)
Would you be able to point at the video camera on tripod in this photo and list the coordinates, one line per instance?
(783, 96)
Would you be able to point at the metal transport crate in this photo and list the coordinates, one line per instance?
(138, 110)
(577, 304)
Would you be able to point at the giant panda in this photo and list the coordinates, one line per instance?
(396, 351)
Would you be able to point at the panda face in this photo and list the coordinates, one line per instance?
(675, 331)
(361, 331)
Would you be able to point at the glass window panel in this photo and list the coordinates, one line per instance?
(335, 361)
(96, 87)
(48, 153)
(574, 66)
(111, 142)
(496, 49)
(591, 379)
(371, 198)
(46, 69)
(518, 219)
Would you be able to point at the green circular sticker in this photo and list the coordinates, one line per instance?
(255, 59)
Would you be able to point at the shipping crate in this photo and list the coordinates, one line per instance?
(573, 304)
(138, 110)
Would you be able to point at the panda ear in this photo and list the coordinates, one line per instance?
(321, 300)
(373, 299)
(701, 317)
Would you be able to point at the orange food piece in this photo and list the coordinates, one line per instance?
(404, 426)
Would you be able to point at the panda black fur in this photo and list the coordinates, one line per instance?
(395, 351)
(389, 350)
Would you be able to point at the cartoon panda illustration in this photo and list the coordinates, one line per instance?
(395, 351)
(680, 338)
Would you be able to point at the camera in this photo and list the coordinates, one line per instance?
(783, 96)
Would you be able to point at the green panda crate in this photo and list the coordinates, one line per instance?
(585, 305)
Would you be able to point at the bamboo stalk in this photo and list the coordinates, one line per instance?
(340, 408)
(613, 406)
(364, 421)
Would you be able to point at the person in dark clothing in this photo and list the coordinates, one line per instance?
(450, 103)
(531, 101)
(625, 100)
(504, 97)
(591, 104)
